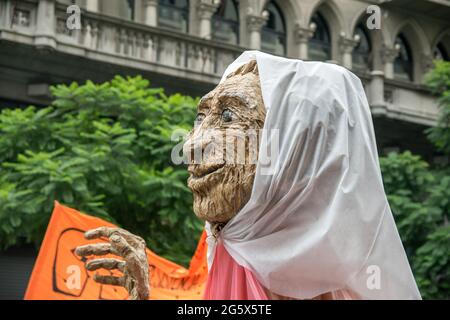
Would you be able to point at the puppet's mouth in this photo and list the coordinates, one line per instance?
(203, 177)
(200, 171)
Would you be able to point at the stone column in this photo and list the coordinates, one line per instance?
(93, 5)
(254, 26)
(151, 13)
(5, 14)
(205, 11)
(376, 89)
(388, 56)
(45, 24)
(426, 63)
(302, 36)
(346, 46)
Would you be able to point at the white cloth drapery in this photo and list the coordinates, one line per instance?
(320, 220)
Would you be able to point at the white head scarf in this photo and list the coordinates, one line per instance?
(320, 221)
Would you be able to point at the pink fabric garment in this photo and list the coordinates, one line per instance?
(229, 281)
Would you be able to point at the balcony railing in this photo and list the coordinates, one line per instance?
(170, 53)
(125, 41)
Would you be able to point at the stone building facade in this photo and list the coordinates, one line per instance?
(185, 45)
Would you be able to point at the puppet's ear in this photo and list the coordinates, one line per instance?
(249, 67)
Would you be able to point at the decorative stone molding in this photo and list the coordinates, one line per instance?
(255, 22)
(206, 9)
(254, 25)
(389, 95)
(346, 44)
(388, 55)
(21, 18)
(426, 62)
(302, 34)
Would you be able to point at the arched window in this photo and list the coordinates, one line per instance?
(320, 43)
(225, 22)
(361, 56)
(273, 34)
(403, 64)
(131, 9)
(173, 14)
(440, 53)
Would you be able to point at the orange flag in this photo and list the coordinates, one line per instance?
(60, 274)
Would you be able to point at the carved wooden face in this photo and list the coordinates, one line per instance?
(223, 147)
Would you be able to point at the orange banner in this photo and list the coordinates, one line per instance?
(60, 274)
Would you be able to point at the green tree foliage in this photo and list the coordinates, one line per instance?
(408, 179)
(432, 264)
(104, 149)
(420, 198)
(438, 80)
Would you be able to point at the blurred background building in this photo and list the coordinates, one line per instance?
(185, 45)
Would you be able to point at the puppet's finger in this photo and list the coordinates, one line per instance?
(120, 246)
(99, 232)
(115, 281)
(98, 249)
(132, 239)
(108, 264)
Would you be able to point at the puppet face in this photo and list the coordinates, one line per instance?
(223, 146)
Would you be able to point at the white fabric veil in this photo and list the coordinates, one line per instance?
(320, 221)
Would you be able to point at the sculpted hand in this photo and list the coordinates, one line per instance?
(134, 265)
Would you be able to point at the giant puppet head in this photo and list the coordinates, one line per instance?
(222, 147)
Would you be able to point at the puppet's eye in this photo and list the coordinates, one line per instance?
(227, 115)
(199, 118)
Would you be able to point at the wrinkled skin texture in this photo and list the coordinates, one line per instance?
(133, 265)
(220, 187)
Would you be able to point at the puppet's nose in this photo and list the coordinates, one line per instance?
(200, 147)
(193, 149)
